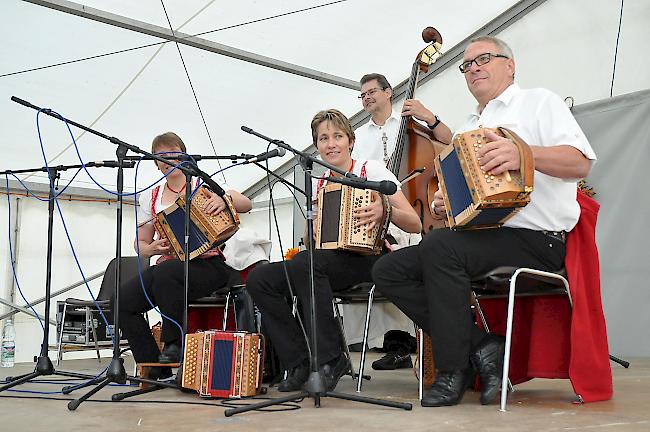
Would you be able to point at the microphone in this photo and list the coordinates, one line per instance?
(111, 164)
(266, 155)
(385, 187)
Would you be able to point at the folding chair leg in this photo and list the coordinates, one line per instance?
(59, 354)
(89, 316)
(420, 363)
(344, 341)
(226, 308)
(364, 346)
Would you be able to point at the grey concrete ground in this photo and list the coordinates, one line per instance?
(539, 405)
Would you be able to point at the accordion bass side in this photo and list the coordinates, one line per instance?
(475, 199)
(335, 226)
(223, 364)
(206, 231)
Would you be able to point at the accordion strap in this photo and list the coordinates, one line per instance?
(526, 161)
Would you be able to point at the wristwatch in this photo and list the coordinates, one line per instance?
(435, 124)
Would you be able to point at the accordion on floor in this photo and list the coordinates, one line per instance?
(206, 231)
(223, 364)
(473, 198)
(335, 225)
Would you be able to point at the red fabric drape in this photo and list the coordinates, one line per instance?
(550, 340)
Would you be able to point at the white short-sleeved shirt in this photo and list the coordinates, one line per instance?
(368, 143)
(540, 118)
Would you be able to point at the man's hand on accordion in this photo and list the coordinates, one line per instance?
(370, 214)
(215, 204)
(438, 205)
(498, 155)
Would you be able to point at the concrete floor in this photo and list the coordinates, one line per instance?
(538, 405)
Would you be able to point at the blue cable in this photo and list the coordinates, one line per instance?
(11, 256)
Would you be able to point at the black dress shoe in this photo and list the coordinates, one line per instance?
(448, 388)
(170, 354)
(334, 370)
(160, 373)
(393, 360)
(295, 379)
(487, 360)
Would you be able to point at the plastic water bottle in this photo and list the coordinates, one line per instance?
(8, 345)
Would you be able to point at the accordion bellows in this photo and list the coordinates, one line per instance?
(475, 199)
(335, 225)
(223, 364)
(206, 231)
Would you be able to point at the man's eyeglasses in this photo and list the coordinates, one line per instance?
(480, 60)
(370, 92)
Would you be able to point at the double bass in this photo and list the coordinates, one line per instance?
(415, 149)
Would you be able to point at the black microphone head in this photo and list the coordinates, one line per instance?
(246, 129)
(387, 187)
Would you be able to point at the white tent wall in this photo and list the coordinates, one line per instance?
(91, 226)
(619, 131)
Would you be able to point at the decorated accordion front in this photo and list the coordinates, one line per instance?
(335, 227)
(206, 231)
(223, 364)
(473, 198)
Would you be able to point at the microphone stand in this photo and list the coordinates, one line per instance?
(44, 365)
(315, 386)
(115, 372)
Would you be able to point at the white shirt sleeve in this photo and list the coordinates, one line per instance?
(558, 126)
(144, 209)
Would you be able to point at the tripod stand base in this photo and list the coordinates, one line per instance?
(43, 367)
(317, 397)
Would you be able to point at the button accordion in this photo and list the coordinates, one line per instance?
(223, 364)
(475, 199)
(335, 224)
(206, 231)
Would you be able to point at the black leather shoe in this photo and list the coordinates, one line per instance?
(295, 379)
(448, 389)
(487, 360)
(160, 373)
(170, 354)
(393, 360)
(334, 370)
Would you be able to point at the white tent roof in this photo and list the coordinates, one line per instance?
(137, 94)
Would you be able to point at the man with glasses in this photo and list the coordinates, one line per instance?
(431, 282)
(376, 140)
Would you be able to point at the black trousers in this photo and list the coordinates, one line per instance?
(333, 271)
(164, 285)
(430, 282)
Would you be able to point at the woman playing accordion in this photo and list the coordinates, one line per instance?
(164, 281)
(333, 269)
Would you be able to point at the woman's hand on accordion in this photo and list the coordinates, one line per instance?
(214, 205)
(498, 155)
(370, 214)
(156, 247)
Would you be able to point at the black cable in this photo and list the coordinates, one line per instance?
(164, 42)
(196, 98)
(226, 403)
(284, 263)
(618, 36)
